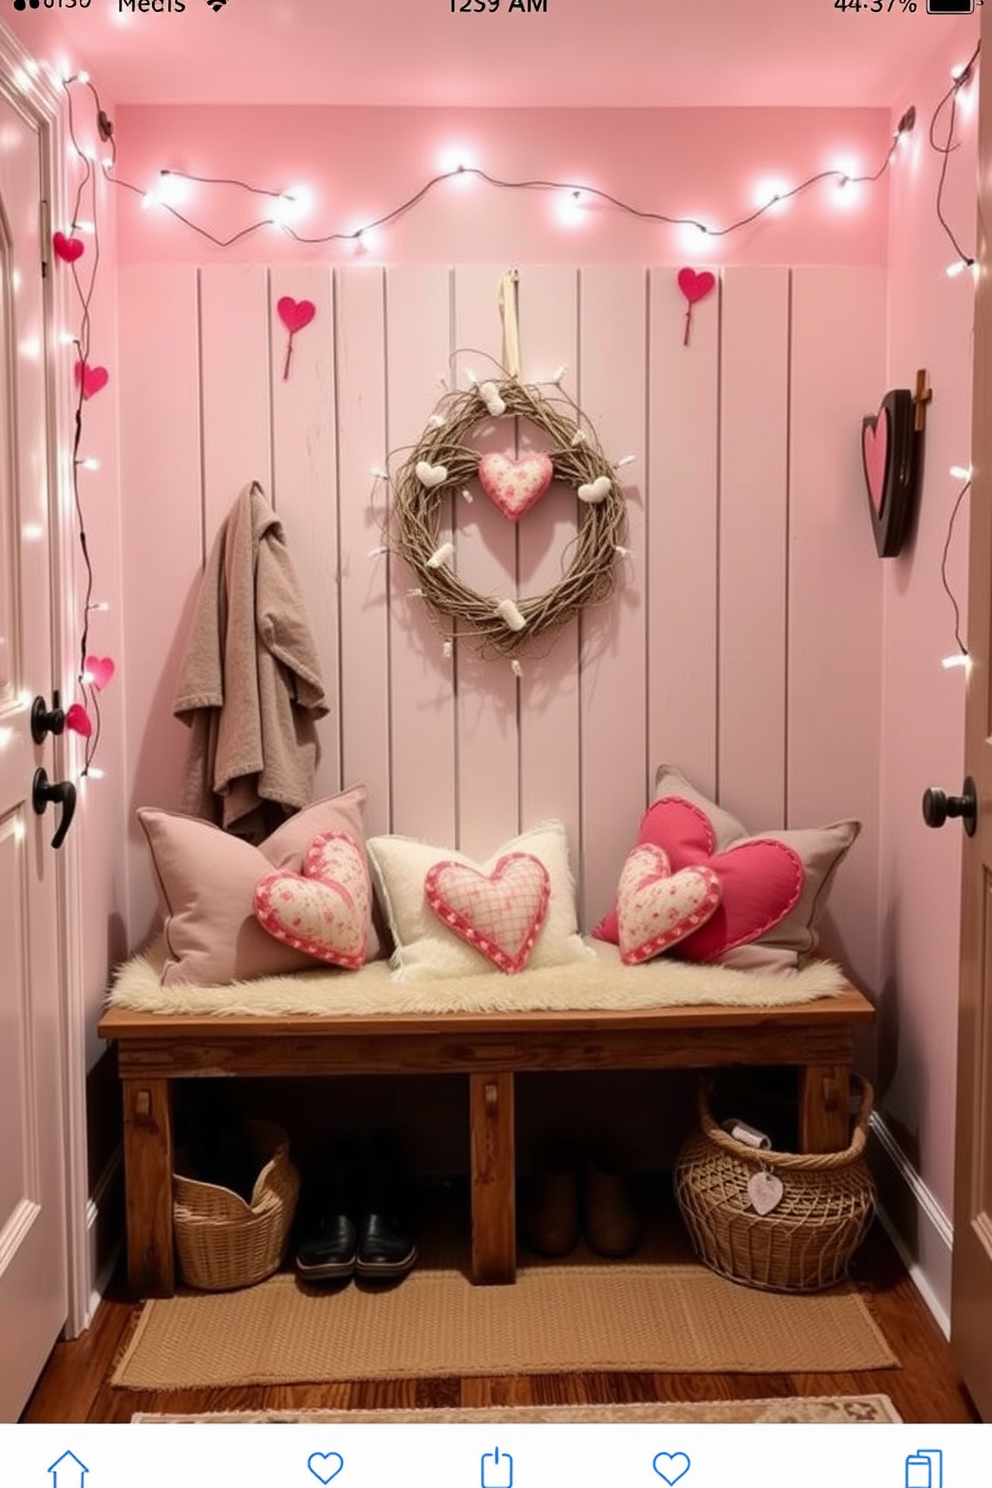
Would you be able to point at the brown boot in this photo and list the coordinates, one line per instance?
(551, 1218)
(611, 1224)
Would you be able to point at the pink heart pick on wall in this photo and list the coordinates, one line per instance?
(295, 314)
(99, 670)
(67, 248)
(695, 287)
(77, 719)
(91, 379)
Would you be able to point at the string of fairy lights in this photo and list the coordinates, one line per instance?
(283, 208)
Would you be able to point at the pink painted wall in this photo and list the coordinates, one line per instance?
(930, 325)
(360, 163)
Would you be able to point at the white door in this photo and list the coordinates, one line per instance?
(33, 1285)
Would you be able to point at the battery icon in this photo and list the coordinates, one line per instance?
(950, 7)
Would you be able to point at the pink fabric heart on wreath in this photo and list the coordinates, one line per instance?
(657, 908)
(91, 379)
(514, 485)
(875, 456)
(323, 911)
(295, 314)
(68, 249)
(498, 914)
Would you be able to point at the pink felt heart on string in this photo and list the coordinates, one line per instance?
(99, 671)
(91, 379)
(68, 249)
(295, 314)
(514, 485)
(875, 456)
(78, 720)
(656, 908)
(499, 914)
(695, 286)
(323, 911)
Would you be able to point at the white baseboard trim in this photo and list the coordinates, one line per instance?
(918, 1227)
(103, 1256)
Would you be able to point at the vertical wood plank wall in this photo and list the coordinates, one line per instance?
(743, 646)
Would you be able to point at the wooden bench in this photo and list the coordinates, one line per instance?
(156, 1049)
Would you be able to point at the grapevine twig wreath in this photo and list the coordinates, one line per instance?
(442, 463)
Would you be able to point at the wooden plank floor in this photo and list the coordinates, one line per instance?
(75, 1385)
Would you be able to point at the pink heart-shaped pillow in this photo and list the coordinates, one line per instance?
(760, 879)
(323, 911)
(68, 249)
(91, 379)
(498, 914)
(657, 908)
(514, 485)
(295, 314)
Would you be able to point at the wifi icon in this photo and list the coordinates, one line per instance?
(216, 5)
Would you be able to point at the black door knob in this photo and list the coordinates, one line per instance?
(45, 720)
(62, 793)
(937, 807)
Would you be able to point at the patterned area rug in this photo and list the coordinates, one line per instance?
(832, 1410)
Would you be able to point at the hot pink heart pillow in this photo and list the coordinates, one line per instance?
(657, 908)
(514, 485)
(760, 879)
(323, 911)
(498, 913)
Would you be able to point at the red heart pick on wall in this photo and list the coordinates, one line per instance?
(91, 379)
(695, 286)
(295, 314)
(68, 249)
(77, 719)
(99, 670)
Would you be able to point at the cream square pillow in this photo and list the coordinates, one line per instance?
(206, 882)
(425, 947)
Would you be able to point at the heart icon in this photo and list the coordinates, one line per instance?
(595, 491)
(875, 455)
(670, 1466)
(295, 314)
(325, 1465)
(431, 475)
(78, 720)
(91, 379)
(68, 249)
(99, 671)
(695, 286)
(514, 485)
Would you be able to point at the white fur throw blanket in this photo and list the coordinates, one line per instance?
(601, 982)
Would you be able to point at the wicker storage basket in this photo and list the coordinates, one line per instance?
(221, 1241)
(806, 1242)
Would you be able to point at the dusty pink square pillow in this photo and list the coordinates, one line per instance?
(206, 881)
(820, 851)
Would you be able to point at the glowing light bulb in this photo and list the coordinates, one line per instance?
(956, 268)
(959, 659)
(82, 77)
(89, 463)
(570, 208)
(961, 472)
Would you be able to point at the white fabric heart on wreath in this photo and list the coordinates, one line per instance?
(593, 492)
(431, 475)
(323, 911)
(657, 908)
(514, 485)
(500, 913)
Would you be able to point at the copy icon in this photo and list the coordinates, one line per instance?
(918, 1471)
(497, 1469)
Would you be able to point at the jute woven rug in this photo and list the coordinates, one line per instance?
(554, 1320)
(829, 1410)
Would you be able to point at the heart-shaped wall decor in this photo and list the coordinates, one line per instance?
(78, 720)
(891, 450)
(514, 485)
(595, 491)
(68, 249)
(323, 911)
(696, 286)
(499, 914)
(90, 379)
(657, 908)
(431, 475)
(295, 314)
(99, 671)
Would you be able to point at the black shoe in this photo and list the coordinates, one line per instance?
(329, 1248)
(386, 1244)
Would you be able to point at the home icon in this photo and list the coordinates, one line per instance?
(68, 1472)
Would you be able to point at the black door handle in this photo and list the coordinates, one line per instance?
(45, 720)
(61, 792)
(937, 807)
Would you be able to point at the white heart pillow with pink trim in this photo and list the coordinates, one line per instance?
(657, 908)
(514, 485)
(498, 913)
(323, 911)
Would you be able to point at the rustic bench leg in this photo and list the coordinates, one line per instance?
(494, 1225)
(823, 1115)
(148, 1167)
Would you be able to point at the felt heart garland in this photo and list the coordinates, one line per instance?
(294, 314)
(68, 249)
(89, 379)
(695, 287)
